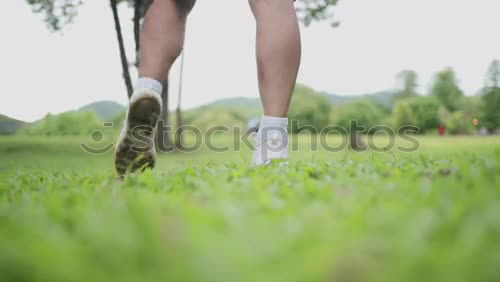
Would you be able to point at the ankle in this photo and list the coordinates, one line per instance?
(150, 84)
(273, 127)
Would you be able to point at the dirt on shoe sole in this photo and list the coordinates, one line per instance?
(136, 147)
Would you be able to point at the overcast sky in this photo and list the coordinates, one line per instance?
(44, 72)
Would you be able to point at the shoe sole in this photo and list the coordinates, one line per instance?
(136, 149)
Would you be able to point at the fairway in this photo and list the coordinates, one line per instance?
(428, 215)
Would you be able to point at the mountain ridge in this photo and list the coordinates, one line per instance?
(104, 109)
(9, 125)
(107, 110)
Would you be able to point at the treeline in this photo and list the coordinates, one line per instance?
(445, 105)
(73, 123)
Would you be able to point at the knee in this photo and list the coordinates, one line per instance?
(274, 6)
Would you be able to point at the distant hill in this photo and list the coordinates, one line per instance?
(105, 110)
(10, 125)
(237, 111)
(384, 98)
(228, 112)
(249, 103)
(224, 111)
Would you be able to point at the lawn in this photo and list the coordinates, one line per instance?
(428, 215)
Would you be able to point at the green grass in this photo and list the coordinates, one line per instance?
(431, 215)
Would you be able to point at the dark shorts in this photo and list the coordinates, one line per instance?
(184, 5)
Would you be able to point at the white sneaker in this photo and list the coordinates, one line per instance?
(135, 148)
(270, 148)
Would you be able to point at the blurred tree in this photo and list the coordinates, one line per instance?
(68, 123)
(403, 115)
(471, 107)
(459, 123)
(446, 89)
(407, 83)
(490, 109)
(316, 10)
(367, 114)
(360, 113)
(309, 108)
(205, 118)
(493, 75)
(426, 112)
(57, 13)
(490, 100)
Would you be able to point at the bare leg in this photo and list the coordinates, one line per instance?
(162, 38)
(278, 53)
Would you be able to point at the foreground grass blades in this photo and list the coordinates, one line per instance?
(432, 215)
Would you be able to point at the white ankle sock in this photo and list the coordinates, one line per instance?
(271, 140)
(273, 125)
(149, 83)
